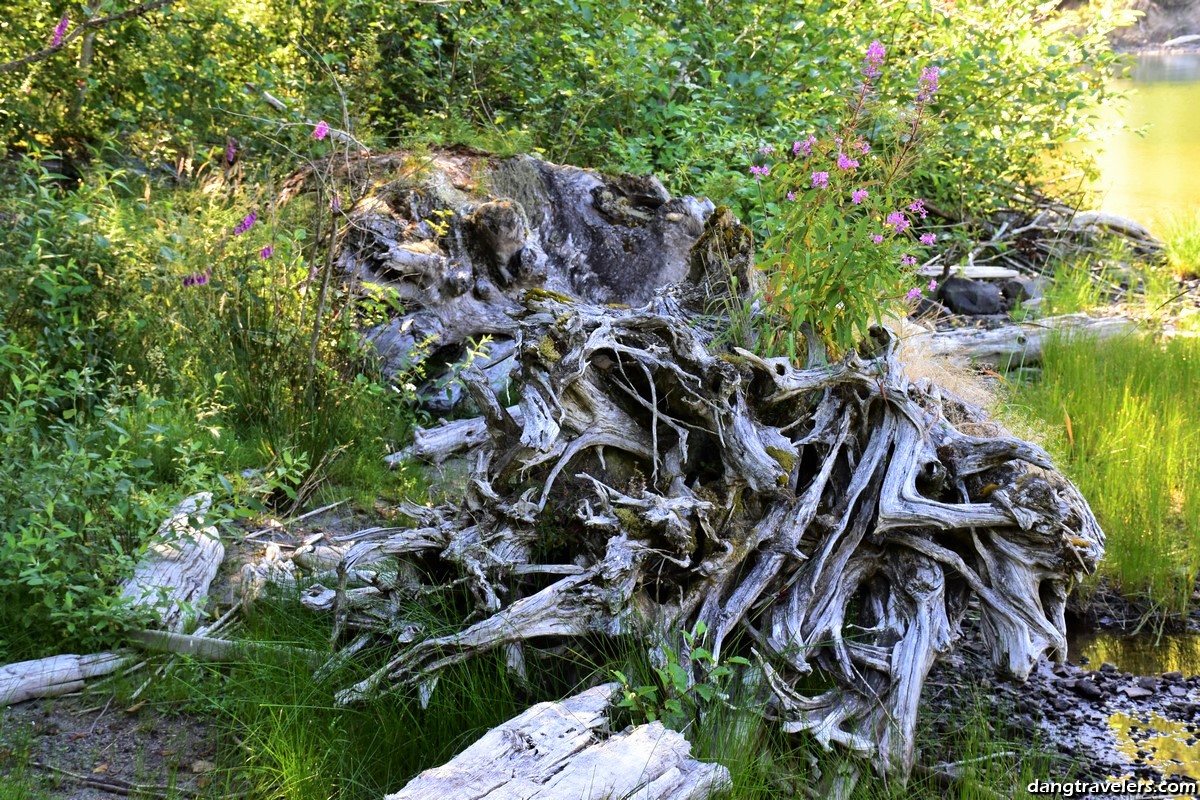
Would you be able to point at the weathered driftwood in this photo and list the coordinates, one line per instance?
(561, 750)
(835, 517)
(207, 648)
(170, 581)
(1020, 344)
(53, 676)
(173, 577)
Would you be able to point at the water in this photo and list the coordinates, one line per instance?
(1144, 654)
(1155, 177)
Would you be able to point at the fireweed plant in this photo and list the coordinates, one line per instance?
(840, 244)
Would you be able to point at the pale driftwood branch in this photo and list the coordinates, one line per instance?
(56, 675)
(563, 750)
(173, 577)
(1020, 345)
(205, 648)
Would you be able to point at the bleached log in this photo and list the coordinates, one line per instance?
(207, 648)
(53, 676)
(1019, 345)
(173, 576)
(563, 750)
(970, 271)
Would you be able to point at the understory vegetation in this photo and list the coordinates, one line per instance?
(1118, 422)
(169, 326)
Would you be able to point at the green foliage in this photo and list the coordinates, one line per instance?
(1181, 235)
(688, 684)
(145, 353)
(840, 245)
(1123, 408)
(688, 89)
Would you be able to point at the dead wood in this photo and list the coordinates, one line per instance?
(832, 517)
(564, 750)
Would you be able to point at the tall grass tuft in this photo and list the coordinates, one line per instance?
(1181, 234)
(1123, 418)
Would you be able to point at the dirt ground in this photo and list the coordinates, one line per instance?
(71, 748)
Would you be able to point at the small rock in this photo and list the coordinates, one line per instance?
(1147, 682)
(1107, 667)
(1136, 692)
(963, 296)
(1172, 676)
(1088, 688)
(1177, 691)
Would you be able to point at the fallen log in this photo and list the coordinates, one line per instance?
(1018, 345)
(562, 750)
(54, 676)
(172, 578)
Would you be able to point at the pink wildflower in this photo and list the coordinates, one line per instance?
(873, 60)
(897, 221)
(321, 131)
(266, 252)
(820, 179)
(858, 196)
(844, 162)
(60, 30)
(908, 261)
(913, 293)
(928, 238)
(933, 286)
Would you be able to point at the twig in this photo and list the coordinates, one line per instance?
(116, 785)
(100, 716)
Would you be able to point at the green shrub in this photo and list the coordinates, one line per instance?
(839, 244)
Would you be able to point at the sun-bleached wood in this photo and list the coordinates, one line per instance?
(838, 516)
(564, 750)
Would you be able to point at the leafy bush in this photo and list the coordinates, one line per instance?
(840, 244)
(688, 89)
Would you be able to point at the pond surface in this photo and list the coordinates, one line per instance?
(1144, 654)
(1155, 176)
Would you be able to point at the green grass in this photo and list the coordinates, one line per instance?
(1124, 423)
(1181, 234)
(281, 736)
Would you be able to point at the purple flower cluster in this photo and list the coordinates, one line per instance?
(908, 261)
(266, 252)
(820, 180)
(760, 172)
(877, 238)
(845, 162)
(231, 149)
(791, 196)
(928, 238)
(766, 149)
(918, 207)
(60, 30)
(246, 224)
(913, 293)
(321, 131)
(335, 202)
(197, 278)
(804, 147)
(927, 86)
(873, 60)
(897, 221)
(933, 285)
(858, 195)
